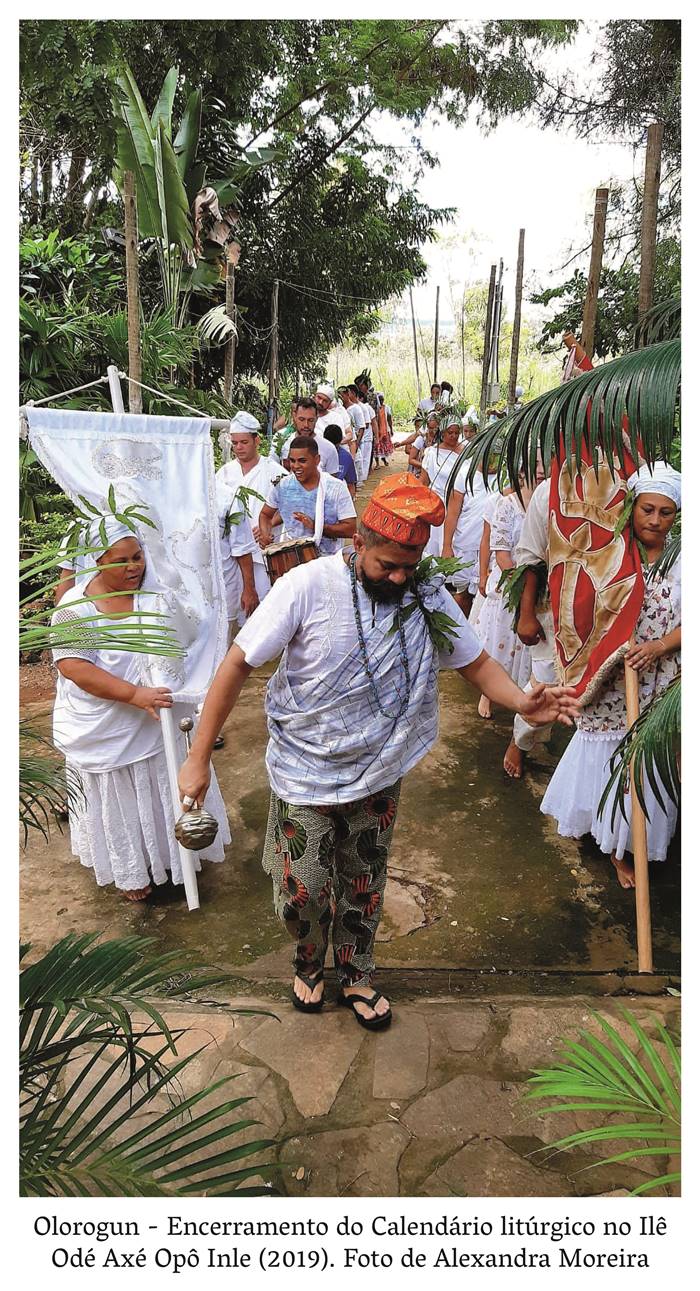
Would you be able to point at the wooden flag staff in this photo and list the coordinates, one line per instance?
(639, 838)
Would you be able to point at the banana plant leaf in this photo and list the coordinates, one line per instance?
(163, 111)
(146, 149)
(651, 752)
(643, 385)
(186, 140)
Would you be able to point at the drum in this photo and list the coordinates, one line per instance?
(283, 556)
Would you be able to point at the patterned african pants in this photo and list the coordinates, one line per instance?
(328, 868)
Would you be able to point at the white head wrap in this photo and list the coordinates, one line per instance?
(114, 529)
(452, 419)
(245, 423)
(470, 417)
(660, 478)
(327, 390)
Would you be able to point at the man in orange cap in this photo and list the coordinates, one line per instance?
(352, 707)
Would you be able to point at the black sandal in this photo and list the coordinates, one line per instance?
(311, 980)
(378, 1023)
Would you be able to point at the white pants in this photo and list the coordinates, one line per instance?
(366, 450)
(262, 587)
(542, 660)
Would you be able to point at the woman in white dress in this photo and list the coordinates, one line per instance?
(494, 626)
(436, 468)
(577, 785)
(106, 724)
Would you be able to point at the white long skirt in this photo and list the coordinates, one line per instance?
(121, 826)
(494, 628)
(575, 790)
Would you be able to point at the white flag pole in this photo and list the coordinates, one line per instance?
(167, 721)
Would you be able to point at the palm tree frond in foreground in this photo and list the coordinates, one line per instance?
(102, 1112)
(608, 1075)
(644, 386)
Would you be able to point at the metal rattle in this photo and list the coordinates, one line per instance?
(196, 829)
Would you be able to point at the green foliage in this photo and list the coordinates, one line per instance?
(512, 585)
(608, 1075)
(650, 753)
(82, 1136)
(616, 325)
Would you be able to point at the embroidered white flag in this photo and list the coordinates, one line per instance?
(165, 466)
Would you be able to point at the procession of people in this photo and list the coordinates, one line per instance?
(332, 592)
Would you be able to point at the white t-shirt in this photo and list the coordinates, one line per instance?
(337, 505)
(329, 454)
(229, 479)
(438, 463)
(367, 413)
(427, 404)
(470, 524)
(319, 631)
(534, 538)
(356, 417)
(336, 416)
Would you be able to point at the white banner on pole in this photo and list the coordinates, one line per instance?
(165, 465)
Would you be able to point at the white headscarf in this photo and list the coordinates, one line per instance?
(115, 531)
(327, 390)
(245, 423)
(660, 478)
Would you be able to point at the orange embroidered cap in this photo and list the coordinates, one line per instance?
(402, 510)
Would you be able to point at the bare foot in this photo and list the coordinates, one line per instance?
(625, 871)
(138, 894)
(513, 761)
(484, 709)
(307, 994)
(381, 1008)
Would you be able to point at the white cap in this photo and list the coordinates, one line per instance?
(327, 390)
(245, 423)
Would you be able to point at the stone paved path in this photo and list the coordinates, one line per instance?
(432, 1107)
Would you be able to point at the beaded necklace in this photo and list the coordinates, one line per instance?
(365, 656)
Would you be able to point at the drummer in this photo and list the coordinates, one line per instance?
(311, 503)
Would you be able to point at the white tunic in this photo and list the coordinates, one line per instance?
(121, 821)
(309, 615)
(495, 625)
(438, 463)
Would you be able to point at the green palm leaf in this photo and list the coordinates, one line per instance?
(651, 748)
(643, 385)
(660, 323)
(101, 1106)
(609, 1075)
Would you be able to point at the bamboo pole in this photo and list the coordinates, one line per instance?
(435, 343)
(494, 387)
(486, 363)
(650, 202)
(230, 355)
(464, 367)
(415, 343)
(639, 840)
(590, 307)
(515, 342)
(133, 308)
(273, 384)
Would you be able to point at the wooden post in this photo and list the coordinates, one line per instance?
(273, 380)
(488, 329)
(591, 303)
(639, 841)
(493, 390)
(435, 344)
(133, 308)
(415, 343)
(650, 202)
(515, 342)
(233, 252)
(464, 368)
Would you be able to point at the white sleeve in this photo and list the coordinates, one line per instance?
(534, 538)
(272, 625)
(501, 526)
(81, 642)
(344, 503)
(466, 645)
(240, 538)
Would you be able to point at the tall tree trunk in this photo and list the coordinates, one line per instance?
(74, 190)
(46, 186)
(590, 307)
(488, 338)
(515, 342)
(652, 179)
(133, 308)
